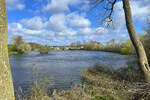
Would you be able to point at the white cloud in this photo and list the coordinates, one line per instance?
(139, 13)
(60, 6)
(14, 4)
(62, 27)
(65, 25)
(100, 30)
(56, 29)
(85, 31)
(56, 6)
(98, 33)
(17, 28)
(76, 20)
(57, 22)
(33, 23)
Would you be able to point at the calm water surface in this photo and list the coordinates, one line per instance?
(63, 67)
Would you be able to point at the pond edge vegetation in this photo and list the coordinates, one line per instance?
(99, 83)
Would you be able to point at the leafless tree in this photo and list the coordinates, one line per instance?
(143, 62)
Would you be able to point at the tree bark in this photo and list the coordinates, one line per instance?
(136, 41)
(6, 83)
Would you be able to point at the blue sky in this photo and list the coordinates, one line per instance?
(60, 22)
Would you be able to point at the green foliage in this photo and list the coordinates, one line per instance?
(44, 49)
(125, 51)
(101, 97)
(35, 46)
(19, 45)
(11, 48)
(92, 92)
(124, 46)
(92, 45)
(23, 48)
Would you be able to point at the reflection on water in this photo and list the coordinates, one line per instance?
(63, 66)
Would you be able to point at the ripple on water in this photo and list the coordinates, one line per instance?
(63, 66)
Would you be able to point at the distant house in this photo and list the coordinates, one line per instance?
(66, 48)
(57, 48)
(81, 47)
(70, 47)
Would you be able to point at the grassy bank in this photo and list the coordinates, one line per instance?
(100, 83)
(13, 53)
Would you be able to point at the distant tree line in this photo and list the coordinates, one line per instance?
(19, 46)
(91, 45)
(123, 46)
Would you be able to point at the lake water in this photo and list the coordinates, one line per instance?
(64, 67)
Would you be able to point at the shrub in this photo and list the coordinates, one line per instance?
(101, 97)
(125, 51)
(23, 48)
(11, 48)
(44, 50)
(37, 93)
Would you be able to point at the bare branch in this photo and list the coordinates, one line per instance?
(109, 1)
(95, 3)
(109, 9)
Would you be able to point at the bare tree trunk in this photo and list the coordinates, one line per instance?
(136, 42)
(6, 83)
